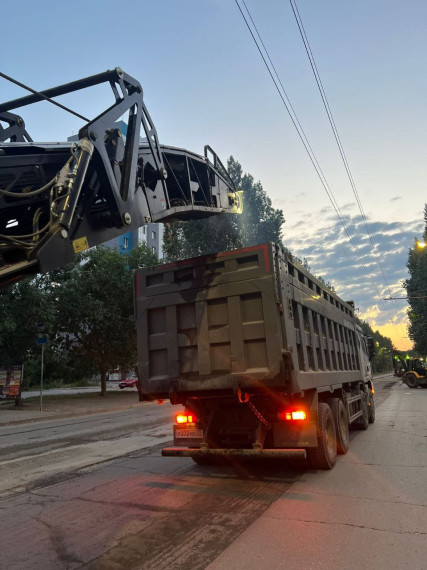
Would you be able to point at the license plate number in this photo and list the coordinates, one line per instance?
(188, 433)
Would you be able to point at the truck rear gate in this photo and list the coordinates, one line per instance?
(209, 324)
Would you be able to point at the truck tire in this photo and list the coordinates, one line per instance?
(363, 421)
(371, 409)
(340, 416)
(324, 455)
(411, 381)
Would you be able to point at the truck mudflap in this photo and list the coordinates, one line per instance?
(256, 452)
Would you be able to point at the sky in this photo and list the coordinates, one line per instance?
(204, 82)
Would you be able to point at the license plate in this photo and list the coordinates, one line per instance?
(188, 433)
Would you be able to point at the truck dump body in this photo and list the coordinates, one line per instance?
(252, 319)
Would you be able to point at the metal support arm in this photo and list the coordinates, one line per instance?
(53, 205)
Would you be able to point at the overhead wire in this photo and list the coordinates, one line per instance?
(304, 139)
(333, 126)
(42, 96)
(325, 101)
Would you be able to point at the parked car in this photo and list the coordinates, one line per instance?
(128, 382)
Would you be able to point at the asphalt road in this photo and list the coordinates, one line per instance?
(35, 454)
(95, 493)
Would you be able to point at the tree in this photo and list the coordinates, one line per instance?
(416, 288)
(94, 301)
(22, 306)
(383, 359)
(259, 223)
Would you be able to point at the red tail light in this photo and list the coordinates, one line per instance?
(296, 415)
(186, 418)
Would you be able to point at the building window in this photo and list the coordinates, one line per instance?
(153, 235)
(153, 249)
(125, 243)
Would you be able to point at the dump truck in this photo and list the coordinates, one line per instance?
(265, 359)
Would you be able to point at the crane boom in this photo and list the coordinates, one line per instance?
(57, 199)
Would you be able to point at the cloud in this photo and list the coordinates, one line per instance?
(358, 270)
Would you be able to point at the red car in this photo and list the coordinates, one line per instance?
(128, 383)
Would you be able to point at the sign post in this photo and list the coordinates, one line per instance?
(41, 339)
(41, 382)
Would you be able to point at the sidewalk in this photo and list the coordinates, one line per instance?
(369, 512)
(68, 405)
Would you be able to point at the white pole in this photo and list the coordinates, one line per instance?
(41, 382)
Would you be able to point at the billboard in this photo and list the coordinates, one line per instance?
(10, 381)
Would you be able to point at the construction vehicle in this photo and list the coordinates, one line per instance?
(416, 373)
(266, 360)
(58, 199)
(412, 370)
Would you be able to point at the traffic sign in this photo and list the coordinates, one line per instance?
(41, 336)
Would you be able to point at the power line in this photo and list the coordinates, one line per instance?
(304, 140)
(333, 125)
(404, 298)
(314, 160)
(335, 132)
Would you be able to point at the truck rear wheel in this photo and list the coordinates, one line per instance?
(324, 455)
(371, 409)
(411, 381)
(339, 414)
(363, 421)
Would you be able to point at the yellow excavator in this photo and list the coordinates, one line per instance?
(412, 371)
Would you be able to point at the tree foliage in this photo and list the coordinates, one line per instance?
(87, 311)
(259, 223)
(95, 308)
(416, 288)
(383, 359)
(22, 307)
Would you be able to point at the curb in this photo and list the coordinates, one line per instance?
(55, 415)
